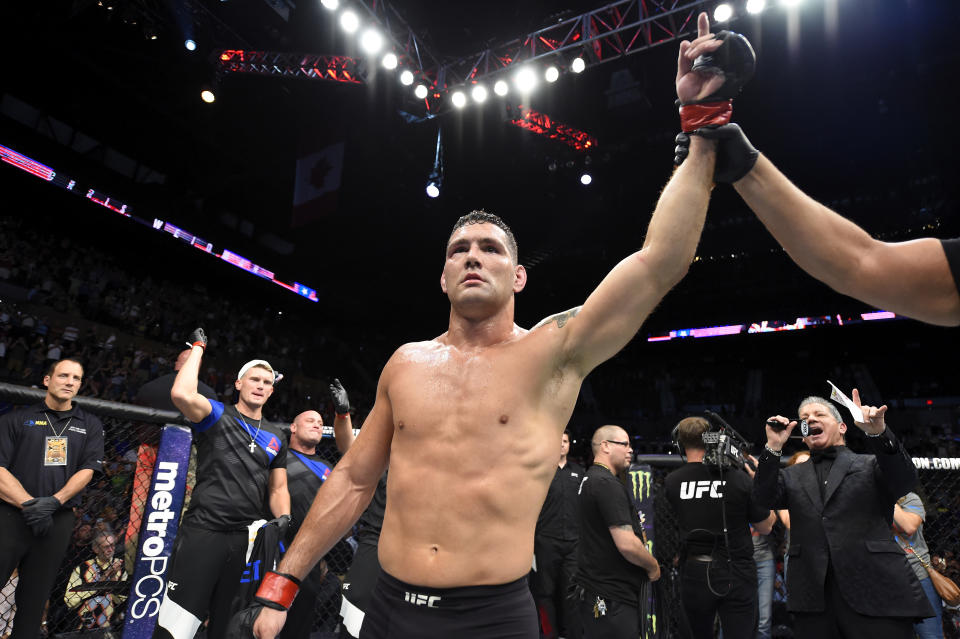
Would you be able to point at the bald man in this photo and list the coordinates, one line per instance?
(306, 472)
(613, 562)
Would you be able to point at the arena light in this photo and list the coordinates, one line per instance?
(756, 6)
(433, 189)
(551, 74)
(371, 41)
(578, 65)
(479, 93)
(723, 12)
(406, 77)
(330, 5)
(421, 91)
(525, 79)
(349, 21)
(190, 45)
(501, 88)
(390, 61)
(586, 179)
(208, 96)
(459, 99)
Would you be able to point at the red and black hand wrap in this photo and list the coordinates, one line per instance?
(709, 114)
(277, 590)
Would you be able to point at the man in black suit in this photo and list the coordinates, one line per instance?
(846, 578)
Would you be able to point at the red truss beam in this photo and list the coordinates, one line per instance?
(610, 32)
(332, 68)
(543, 124)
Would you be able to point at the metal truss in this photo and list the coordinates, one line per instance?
(610, 32)
(411, 51)
(333, 68)
(543, 124)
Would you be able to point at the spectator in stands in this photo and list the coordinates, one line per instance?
(908, 517)
(95, 607)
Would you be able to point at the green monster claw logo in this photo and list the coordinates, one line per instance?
(642, 482)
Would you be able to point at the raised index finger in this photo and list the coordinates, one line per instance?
(703, 24)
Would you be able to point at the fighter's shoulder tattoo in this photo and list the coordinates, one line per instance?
(560, 318)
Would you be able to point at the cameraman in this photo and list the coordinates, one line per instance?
(714, 508)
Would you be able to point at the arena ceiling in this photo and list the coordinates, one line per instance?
(852, 99)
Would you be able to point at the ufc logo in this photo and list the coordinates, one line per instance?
(696, 489)
(418, 600)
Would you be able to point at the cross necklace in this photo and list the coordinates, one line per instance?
(253, 439)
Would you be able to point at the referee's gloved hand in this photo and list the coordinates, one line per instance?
(282, 522)
(38, 513)
(341, 402)
(197, 338)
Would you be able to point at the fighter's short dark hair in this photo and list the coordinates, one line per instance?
(482, 217)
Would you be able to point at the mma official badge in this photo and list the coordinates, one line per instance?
(55, 451)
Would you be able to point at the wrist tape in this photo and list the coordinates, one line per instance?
(696, 116)
(277, 590)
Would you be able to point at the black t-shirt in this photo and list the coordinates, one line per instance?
(305, 475)
(35, 461)
(952, 249)
(156, 393)
(371, 521)
(697, 494)
(231, 490)
(601, 568)
(560, 516)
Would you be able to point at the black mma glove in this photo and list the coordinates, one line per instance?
(241, 624)
(197, 338)
(38, 513)
(341, 402)
(736, 62)
(735, 155)
(282, 522)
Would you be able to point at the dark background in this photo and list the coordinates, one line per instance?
(852, 100)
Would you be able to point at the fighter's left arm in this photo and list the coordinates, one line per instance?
(895, 471)
(613, 313)
(279, 495)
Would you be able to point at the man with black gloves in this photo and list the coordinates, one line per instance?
(848, 577)
(306, 472)
(555, 549)
(714, 509)
(48, 454)
(919, 278)
(241, 465)
(612, 561)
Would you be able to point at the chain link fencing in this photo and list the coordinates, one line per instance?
(88, 598)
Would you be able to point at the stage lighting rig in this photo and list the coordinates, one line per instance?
(435, 179)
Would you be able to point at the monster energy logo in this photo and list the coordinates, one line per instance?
(641, 481)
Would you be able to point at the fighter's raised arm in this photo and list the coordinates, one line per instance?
(614, 312)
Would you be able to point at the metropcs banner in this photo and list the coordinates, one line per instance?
(161, 518)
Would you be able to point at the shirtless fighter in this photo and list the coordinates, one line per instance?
(469, 422)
